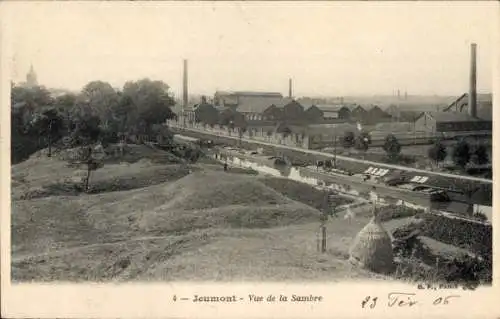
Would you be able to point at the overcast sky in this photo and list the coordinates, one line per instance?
(327, 48)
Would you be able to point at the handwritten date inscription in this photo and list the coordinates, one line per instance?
(401, 299)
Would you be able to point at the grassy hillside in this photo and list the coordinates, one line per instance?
(149, 220)
(136, 233)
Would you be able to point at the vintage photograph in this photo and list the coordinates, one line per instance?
(259, 142)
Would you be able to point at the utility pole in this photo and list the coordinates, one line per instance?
(335, 151)
(324, 219)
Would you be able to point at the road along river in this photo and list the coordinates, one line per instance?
(344, 158)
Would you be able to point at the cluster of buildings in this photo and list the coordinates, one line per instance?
(267, 107)
(275, 113)
(470, 115)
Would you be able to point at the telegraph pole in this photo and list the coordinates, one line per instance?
(324, 219)
(335, 151)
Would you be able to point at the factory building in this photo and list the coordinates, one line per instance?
(448, 123)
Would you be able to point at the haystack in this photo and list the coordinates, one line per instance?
(372, 247)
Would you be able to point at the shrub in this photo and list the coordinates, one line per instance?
(461, 154)
(480, 155)
(348, 140)
(468, 235)
(392, 147)
(437, 152)
(389, 212)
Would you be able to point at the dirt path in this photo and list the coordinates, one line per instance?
(20, 258)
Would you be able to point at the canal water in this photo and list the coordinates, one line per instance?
(266, 165)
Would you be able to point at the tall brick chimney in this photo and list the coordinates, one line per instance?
(290, 88)
(472, 82)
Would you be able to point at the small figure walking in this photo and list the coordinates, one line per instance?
(225, 167)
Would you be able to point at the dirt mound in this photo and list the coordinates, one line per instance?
(193, 202)
(50, 176)
(303, 193)
(128, 153)
(209, 189)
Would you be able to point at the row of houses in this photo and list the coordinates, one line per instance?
(268, 113)
(269, 106)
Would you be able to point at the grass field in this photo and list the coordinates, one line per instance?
(149, 219)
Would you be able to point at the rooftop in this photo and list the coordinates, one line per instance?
(250, 93)
(452, 117)
(257, 104)
(282, 102)
(335, 107)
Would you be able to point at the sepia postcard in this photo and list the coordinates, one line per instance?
(196, 159)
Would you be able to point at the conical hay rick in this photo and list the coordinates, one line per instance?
(372, 248)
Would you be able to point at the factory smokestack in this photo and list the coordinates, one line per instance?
(185, 85)
(290, 88)
(472, 82)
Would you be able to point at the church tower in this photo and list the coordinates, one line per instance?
(31, 80)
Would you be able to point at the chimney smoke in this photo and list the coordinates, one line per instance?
(472, 82)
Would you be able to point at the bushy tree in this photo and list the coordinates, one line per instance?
(48, 123)
(229, 116)
(25, 103)
(33, 97)
(65, 101)
(241, 132)
(363, 141)
(150, 103)
(461, 154)
(392, 147)
(480, 155)
(437, 152)
(101, 97)
(206, 114)
(86, 135)
(348, 140)
(328, 164)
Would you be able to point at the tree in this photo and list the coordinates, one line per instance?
(241, 131)
(65, 101)
(48, 123)
(86, 134)
(392, 146)
(101, 97)
(124, 116)
(461, 154)
(480, 155)
(151, 101)
(231, 116)
(25, 102)
(328, 165)
(348, 140)
(206, 114)
(363, 141)
(33, 97)
(437, 152)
